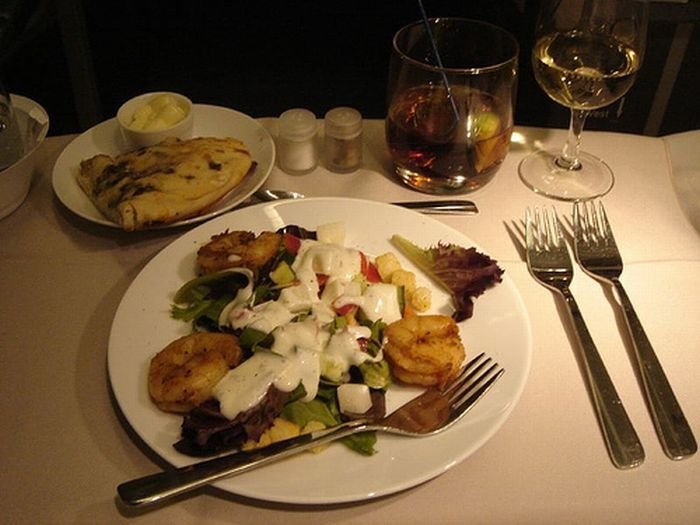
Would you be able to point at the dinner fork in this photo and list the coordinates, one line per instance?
(549, 263)
(428, 414)
(597, 253)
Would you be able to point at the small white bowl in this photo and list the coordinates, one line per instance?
(140, 138)
(16, 179)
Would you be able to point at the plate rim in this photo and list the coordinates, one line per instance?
(498, 421)
(61, 171)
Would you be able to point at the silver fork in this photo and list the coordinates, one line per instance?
(549, 262)
(428, 414)
(597, 253)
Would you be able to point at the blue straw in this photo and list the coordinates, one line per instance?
(433, 44)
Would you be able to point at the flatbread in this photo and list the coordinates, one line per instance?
(165, 183)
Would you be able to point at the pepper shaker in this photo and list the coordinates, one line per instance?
(298, 152)
(343, 139)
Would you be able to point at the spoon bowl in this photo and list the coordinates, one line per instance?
(275, 195)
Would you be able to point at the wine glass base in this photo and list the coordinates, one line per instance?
(540, 173)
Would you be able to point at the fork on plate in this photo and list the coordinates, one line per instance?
(549, 262)
(428, 414)
(598, 255)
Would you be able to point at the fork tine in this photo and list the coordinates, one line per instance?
(606, 231)
(529, 230)
(587, 233)
(591, 224)
(472, 368)
(596, 227)
(579, 219)
(538, 228)
(576, 219)
(549, 228)
(466, 399)
(556, 229)
(542, 223)
(472, 381)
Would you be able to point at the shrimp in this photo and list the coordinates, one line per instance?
(238, 248)
(183, 374)
(424, 350)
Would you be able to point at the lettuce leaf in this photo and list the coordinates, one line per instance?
(463, 272)
(302, 413)
(202, 299)
(376, 375)
(363, 443)
(324, 409)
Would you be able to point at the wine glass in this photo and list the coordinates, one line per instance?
(586, 56)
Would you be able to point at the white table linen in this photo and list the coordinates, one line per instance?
(65, 447)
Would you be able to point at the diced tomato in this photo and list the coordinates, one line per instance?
(322, 279)
(369, 270)
(292, 243)
(373, 274)
(346, 309)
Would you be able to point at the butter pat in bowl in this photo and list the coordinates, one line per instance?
(148, 119)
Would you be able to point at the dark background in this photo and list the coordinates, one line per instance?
(82, 59)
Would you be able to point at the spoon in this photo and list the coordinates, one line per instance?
(445, 207)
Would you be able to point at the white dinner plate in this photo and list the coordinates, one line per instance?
(499, 327)
(209, 121)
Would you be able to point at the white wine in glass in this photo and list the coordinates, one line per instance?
(586, 56)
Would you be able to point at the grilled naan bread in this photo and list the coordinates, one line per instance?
(161, 184)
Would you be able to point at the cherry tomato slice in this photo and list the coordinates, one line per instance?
(369, 270)
(291, 243)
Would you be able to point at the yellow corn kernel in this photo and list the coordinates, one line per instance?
(262, 442)
(404, 278)
(386, 265)
(312, 426)
(420, 299)
(282, 429)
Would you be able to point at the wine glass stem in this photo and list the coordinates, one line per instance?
(569, 154)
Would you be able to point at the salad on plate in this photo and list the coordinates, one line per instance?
(293, 332)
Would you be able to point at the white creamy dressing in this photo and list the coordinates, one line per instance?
(242, 296)
(264, 317)
(341, 352)
(304, 351)
(381, 301)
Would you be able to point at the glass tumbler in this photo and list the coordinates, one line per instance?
(11, 143)
(450, 96)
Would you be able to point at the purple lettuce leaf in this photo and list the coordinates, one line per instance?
(464, 272)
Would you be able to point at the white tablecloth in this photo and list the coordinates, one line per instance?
(65, 447)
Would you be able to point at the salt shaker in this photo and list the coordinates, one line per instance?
(343, 139)
(298, 152)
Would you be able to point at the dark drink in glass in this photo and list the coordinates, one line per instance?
(448, 126)
(432, 149)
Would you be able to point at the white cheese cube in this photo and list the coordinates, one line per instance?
(354, 398)
(331, 233)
